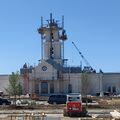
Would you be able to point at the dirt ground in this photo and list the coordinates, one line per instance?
(18, 112)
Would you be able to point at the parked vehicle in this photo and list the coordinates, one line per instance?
(104, 93)
(74, 106)
(4, 101)
(1, 93)
(57, 99)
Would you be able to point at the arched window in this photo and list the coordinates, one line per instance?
(44, 88)
(114, 89)
(69, 88)
(51, 87)
(109, 89)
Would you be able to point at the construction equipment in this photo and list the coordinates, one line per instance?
(88, 67)
(74, 106)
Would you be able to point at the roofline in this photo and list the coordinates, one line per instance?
(4, 74)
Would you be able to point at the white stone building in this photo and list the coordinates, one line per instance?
(52, 75)
(4, 82)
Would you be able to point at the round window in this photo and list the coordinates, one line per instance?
(44, 68)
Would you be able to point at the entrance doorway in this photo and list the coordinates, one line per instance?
(44, 88)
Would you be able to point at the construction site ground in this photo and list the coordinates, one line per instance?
(44, 111)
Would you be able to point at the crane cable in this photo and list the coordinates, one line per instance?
(87, 63)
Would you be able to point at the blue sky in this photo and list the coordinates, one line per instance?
(94, 25)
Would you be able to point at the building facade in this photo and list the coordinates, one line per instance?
(4, 82)
(52, 75)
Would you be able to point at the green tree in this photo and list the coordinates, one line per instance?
(14, 88)
(85, 84)
(19, 89)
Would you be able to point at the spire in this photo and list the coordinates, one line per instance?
(53, 35)
(50, 17)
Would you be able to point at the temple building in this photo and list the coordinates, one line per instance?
(53, 76)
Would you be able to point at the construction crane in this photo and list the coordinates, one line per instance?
(88, 66)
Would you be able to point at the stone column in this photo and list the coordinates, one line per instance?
(56, 86)
(101, 84)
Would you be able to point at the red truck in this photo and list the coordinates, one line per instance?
(74, 106)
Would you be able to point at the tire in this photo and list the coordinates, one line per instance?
(84, 112)
(3, 103)
(65, 114)
(70, 114)
(54, 103)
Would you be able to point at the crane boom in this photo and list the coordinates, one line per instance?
(87, 63)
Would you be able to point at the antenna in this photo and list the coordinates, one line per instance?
(50, 17)
(51, 37)
(41, 38)
(62, 31)
(41, 21)
(62, 22)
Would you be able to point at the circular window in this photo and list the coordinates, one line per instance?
(44, 68)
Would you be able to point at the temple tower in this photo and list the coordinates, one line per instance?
(53, 36)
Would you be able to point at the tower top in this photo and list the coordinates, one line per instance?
(52, 26)
(53, 36)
